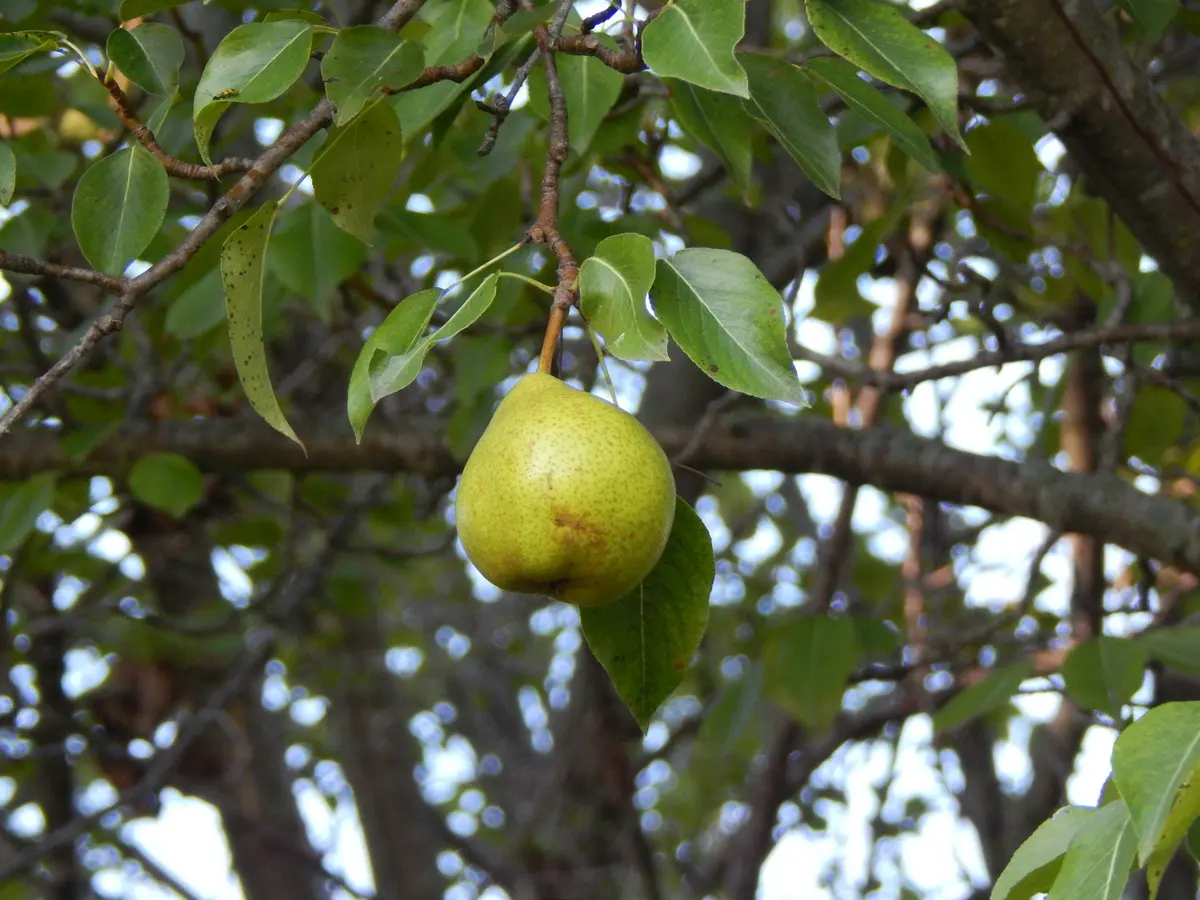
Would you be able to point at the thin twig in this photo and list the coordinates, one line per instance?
(27, 265)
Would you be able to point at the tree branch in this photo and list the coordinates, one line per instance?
(27, 265)
(1099, 504)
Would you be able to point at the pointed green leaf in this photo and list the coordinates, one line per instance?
(18, 46)
(20, 506)
(864, 98)
(404, 326)
(1099, 859)
(1104, 673)
(150, 56)
(1177, 647)
(199, 309)
(1003, 163)
(613, 284)
(728, 319)
(362, 60)
(400, 371)
(455, 32)
(878, 38)
(1156, 767)
(784, 99)
(167, 481)
(808, 665)
(720, 123)
(243, 268)
(311, 256)
(8, 174)
(357, 170)
(646, 640)
(1152, 16)
(693, 40)
(118, 205)
(253, 64)
(1039, 859)
(590, 88)
(991, 693)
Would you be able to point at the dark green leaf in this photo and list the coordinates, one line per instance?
(873, 105)
(149, 56)
(197, 310)
(254, 63)
(119, 204)
(167, 481)
(1152, 16)
(613, 284)
(311, 256)
(720, 123)
(8, 174)
(1177, 647)
(878, 38)
(135, 9)
(1004, 164)
(646, 640)
(362, 60)
(18, 46)
(1104, 673)
(808, 665)
(992, 693)
(729, 320)
(20, 506)
(404, 326)
(1155, 423)
(693, 40)
(357, 170)
(243, 268)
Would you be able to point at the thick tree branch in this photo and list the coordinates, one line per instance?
(1099, 504)
(1136, 153)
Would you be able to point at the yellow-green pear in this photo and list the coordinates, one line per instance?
(565, 495)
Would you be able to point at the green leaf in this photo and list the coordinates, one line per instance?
(808, 666)
(118, 205)
(646, 640)
(836, 297)
(150, 56)
(784, 99)
(20, 506)
(1104, 673)
(989, 694)
(456, 30)
(8, 174)
(720, 123)
(590, 88)
(199, 309)
(254, 63)
(867, 100)
(243, 268)
(362, 60)
(18, 46)
(1151, 16)
(167, 481)
(400, 371)
(135, 9)
(1155, 762)
(728, 319)
(877, 38)
(357, 170)
(1155, 423)
(1099, 859)
(693, 40)
(1177, 647)
(613, 284)
(1038, 860)
(395, 336)
(1004, 164)
(311, 256)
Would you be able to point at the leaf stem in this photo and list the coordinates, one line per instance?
(532, 282)
(612, 391)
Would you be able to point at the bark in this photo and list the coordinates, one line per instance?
(1134, 151)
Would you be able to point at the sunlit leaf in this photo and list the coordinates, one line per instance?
(693, 40)
(362, 60)
(118, 205)
(149, 55)
(613, 284)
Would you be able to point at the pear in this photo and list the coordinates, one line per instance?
(565, 495)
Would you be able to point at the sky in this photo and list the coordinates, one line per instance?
(186, 839)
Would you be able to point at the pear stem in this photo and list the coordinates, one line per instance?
(558, 317)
